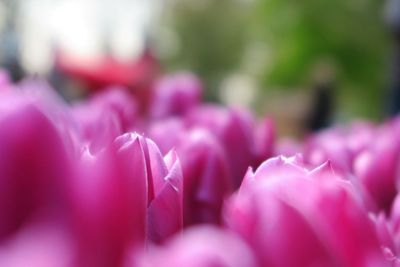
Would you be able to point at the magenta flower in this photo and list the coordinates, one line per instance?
(207, 179)
(105, 116)
(164, 189)
(388, 228)
(122, 196)
(201, 247)
(33, 164)
(160, 131)
(339, 145)
(108, 201)
(376, 168)
(120, 102)
(329, 145)
(175, 95)
(245, 144)
(294, 217)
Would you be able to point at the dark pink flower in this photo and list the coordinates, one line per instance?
(206, 177)
(119, 101)
(122, 196)
(245, 143)
(108, 201)
(33, 163)
(376, 169)
(164, 188)
(295, 217)
(175, 95)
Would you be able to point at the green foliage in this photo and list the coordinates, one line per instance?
(212, 38)
(348, 32)
(298, 34)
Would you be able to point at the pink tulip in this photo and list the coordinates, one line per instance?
(206, 177)
(376, 168)
(392, 228)
(264, 141)
(164, 188)
(105, 116)
(235, 130)
(329, 145)
(160, 131)
(175, 95)
(33, 164)
(97, 127)
(294, 217)
(56, 109)
(122, 196)
(339, 145)
(119, 101)
(108, 201)
(201, 247)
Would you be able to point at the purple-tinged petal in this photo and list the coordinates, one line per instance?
(109, 202)
(165, 213)
(303, 218)
(376, 168)
(206, 177)
(43, 245)
(175, 95)
(264, 140)
(33, 164)
(167, 133)
(119, 101)
(201, 247)
(234, 131)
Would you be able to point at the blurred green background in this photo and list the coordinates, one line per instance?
(264, 54)
(280, 43)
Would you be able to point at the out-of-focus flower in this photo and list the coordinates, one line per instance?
(236, 131)
(108, 201)
(101, 203)
(56, 109)
(376, 168)
(329, 145)
(122, 195)
(207, 179)
(5, 81)
(201, 247)
(165, 189)
(97, 127)
(287, 147)
(119, 101)
(388, 229)
(104, 117)
(264, 141)
(384, 230)
(44, 244)
(294, 217)
(392, 226)
(339, 145)
(167, 133)
(33, 164)
(175, 95)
